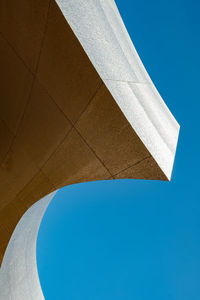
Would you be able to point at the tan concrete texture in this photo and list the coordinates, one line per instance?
(59, 123)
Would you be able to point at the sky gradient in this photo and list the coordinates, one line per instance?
(136, 239)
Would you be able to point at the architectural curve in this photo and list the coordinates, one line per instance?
(76, 104)
(19, 275)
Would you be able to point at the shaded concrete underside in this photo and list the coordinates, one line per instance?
(59, 124)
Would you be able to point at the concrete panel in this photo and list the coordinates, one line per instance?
(64, 65)
(22, 23)
(6, 136)
(15, 86)
(74, 162)
(36, 189)
(107, 131)
(43, 127)
(142, 170)
(10, 216)
(15, 172)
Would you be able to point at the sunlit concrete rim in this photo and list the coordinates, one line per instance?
(18, 274)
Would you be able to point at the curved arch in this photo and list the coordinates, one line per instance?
(84, 106)
(19, 275)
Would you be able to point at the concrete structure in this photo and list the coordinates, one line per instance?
(18, 274)
(76, 104)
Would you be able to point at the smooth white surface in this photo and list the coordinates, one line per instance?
(18, 274)
(102, 34)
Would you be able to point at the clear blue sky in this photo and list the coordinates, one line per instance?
(134, 239)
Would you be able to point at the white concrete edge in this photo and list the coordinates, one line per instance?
(19, 278)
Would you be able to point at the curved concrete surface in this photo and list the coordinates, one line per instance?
(76, 104)
(19, 276)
